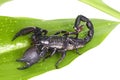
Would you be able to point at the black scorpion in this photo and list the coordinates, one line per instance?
(41, 43)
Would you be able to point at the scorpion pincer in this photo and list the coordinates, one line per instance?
(41, 43)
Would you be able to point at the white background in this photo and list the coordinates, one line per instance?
(100, 63)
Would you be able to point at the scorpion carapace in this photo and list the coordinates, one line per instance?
(41, 43)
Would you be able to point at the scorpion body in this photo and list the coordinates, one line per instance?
(41, 43)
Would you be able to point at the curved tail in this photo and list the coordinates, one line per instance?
(89, 25)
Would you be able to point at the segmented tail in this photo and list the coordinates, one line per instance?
(88, 24)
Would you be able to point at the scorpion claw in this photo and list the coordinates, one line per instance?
(63, 54)
(23, 32)
(35, 30)
(24, 67)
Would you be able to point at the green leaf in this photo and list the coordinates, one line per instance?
(99, 4)
(10, 51)
(3, 1)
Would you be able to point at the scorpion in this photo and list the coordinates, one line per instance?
(41, 43)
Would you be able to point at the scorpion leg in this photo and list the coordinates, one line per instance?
(72, 42)
(59, 32)
(51, 54)
(65, 33)
(77, 51)
(63, 54)
(43, 52)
